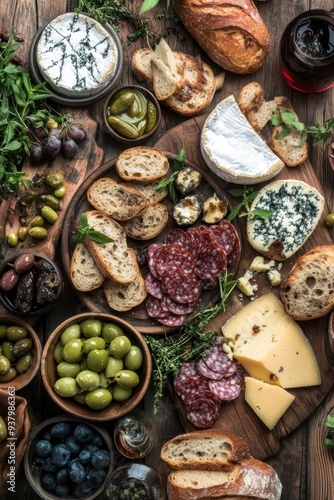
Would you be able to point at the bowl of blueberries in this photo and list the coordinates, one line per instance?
(68, 458)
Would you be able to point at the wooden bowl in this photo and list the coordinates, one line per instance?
(117, 136)
(115, 409)
(22, 380)
(34, 478)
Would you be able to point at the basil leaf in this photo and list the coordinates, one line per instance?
(262, 213)
(288, 117)
(98, 237)
(148, 5)
(276, 120)
(237, 193)
(283, 133)
(232, 215)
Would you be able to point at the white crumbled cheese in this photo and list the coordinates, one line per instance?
(245, 286)
(259, 264)
(274, 277)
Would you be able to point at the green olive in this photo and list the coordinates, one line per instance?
(22, 347)
(104, 382)
(16, 333)
(91, 327)
(94, 343)
(60, 192)
(110, 331)
(127, 379)
(39, 233)
(66, 387)
(98, 399)
(23, 363)
(88, 380)
(51, 123)
(7, 350)
(3, 331)
(10, 375)
(65, 369)
(73, 351)
(49, 214)
(114, 366)
(134, 358)
(84, 365)
(22, 233)
(3, 430)
(12, 239)
(4, 364)
(121, 393)
(54, 180)
(37, 221)
(80, 398)
(71, 332)
(329, 220)
(119, 347)
(97, 360)
(58, 353)
(51, 201)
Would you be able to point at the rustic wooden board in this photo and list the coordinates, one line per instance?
(237, 416)
(95, 300)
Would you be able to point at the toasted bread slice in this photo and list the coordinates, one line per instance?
(124, 297)
(148, 224)
(148, 190)
(114, 259)
(251, 97)
(289, 148)
(141, 65)
(142, 164)
(85, 274)
(165, 53)
(120, 201)
(164, 80)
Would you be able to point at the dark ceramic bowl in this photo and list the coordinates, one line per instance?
(7, 297)
(149, 96)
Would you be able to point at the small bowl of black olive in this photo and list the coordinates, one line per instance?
(132, 115)
(30, 284)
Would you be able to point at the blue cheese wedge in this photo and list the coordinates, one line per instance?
(297, 208)
(76, 56)
(233, 150)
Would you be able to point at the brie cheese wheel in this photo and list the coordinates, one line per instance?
(76, 56)
(297, 208)
(233, 150)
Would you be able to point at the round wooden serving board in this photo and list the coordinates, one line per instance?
(237, 416)
(95, 300)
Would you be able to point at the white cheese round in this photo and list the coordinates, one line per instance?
(233, 150)
(76, 56)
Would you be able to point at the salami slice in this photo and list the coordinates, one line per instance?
(203, 413)
(180, 237)
(154, 307)
(176, 307)
(151, 251)
(224, 238)
(170, 319)
(182, 287)
(174, 256)
(206, 394)
(191, 386)
(225, 389)
(205, 239)
(234, 256)
(231, 371)
(211, 262)
(206, 372)
(208, 284)
(153, 286)
(217, 359)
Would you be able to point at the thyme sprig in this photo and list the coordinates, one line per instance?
(189, 343)
(248, 195)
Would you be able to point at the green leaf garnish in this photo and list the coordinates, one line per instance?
(85, 231)
(248, 195)
(178, 164)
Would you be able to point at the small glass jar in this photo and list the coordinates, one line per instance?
(307, 51)
(135, 434)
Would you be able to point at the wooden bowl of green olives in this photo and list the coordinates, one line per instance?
(21, 352)
(131, 115)
(96, 366)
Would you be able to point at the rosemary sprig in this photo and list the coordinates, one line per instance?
(178, 164)
(248, 195)
(170, 356)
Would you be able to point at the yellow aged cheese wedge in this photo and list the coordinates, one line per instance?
(269, 402)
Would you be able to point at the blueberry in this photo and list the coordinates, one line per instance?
(61, 430)
(37, 464)
(97, 440)
(83, 433)
(43, 448)
(60, 455)
(91, 448)
(49, 466)
(77, 473)
(84, 456)
(48, 481)
(73, 445)
(62, 490)
(96, 477)
(63, 477)
(81, 490)
(47, 436)
(100, 459)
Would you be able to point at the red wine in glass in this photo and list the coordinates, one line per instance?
(307, 51)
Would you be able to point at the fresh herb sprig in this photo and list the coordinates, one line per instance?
(329, 439)
(248, 195)
(288, 121)
(85, 231)
(150, 4)
(190, 343)
(178, 164)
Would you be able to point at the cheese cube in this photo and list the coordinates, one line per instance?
(259, 264)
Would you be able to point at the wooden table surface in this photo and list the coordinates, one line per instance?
(304, 465)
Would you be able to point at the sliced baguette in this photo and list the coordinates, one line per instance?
(141, 65)
(164, 81)
(148, 224)
(85, 274)
(308, 291)
(114, 259)
(120, 201)
(142, 163)
(148, 190)
(124, 297)
(206, 450)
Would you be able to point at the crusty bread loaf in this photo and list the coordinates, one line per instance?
(308, 291)
(120, 201)
(142, 163)
(232, 33)
(148, 224)
(251, 479)
(114, 259)
(148, 190)
(124, 297)
(210, 450)
(85, 274)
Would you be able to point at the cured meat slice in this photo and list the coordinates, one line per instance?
(231, 371)
(154, 307)
(170, 319)
(225, 389)
(195, 235)
(180, 237)
(211, 262)
(153, 286)
(192, 386)
(176, 307)
(182, 287)
(174, 256)
(208, 284)
(151, 251)
(206, 372)
(205, 239)
(234, 256)
(203, 394)
(217, 360)
(223, 237)
(203, 412)
(187, 370)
